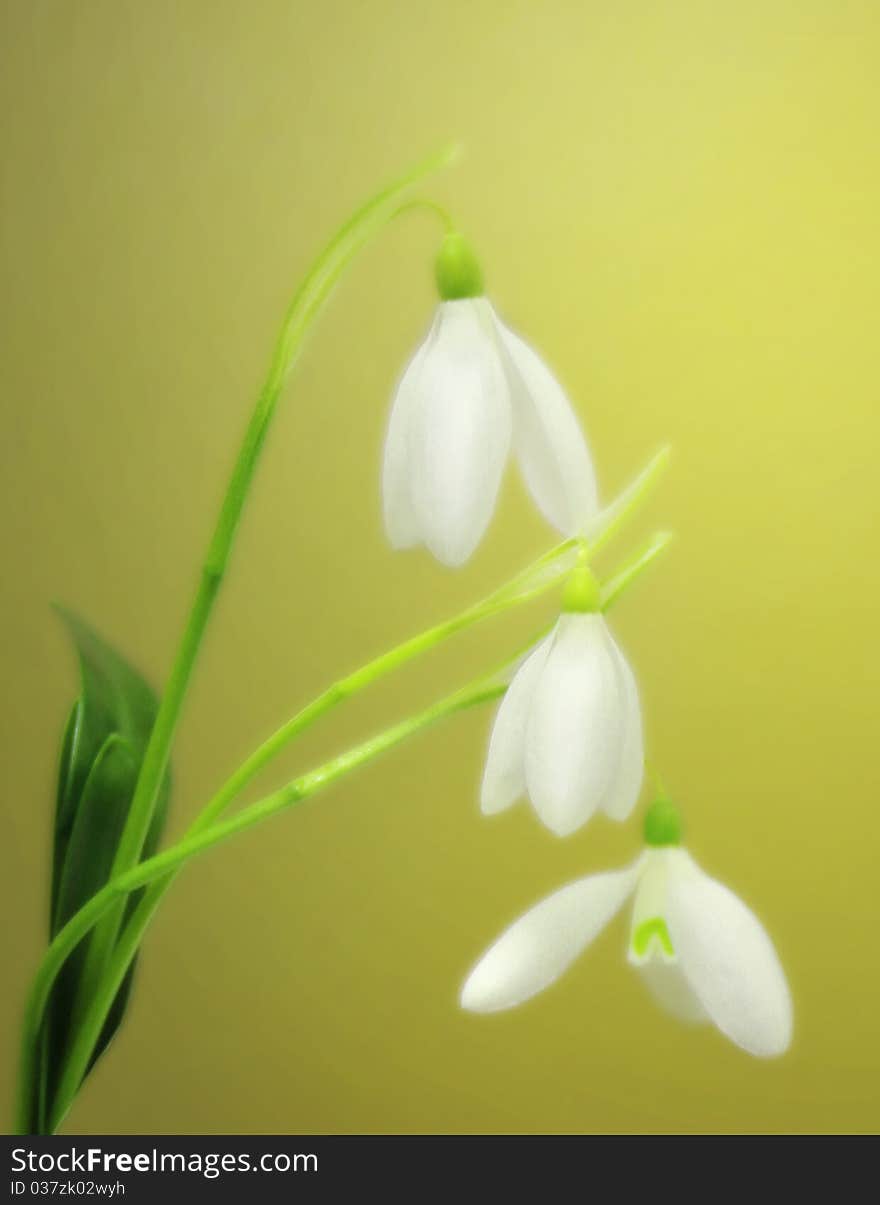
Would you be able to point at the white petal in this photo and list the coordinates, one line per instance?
(548, 439)
(504, 778)
(658, 866)
(459, 431)
(669, 988)
(538, 947)
(401, 522)
(627, 783)
(574, 731)
(729, 961)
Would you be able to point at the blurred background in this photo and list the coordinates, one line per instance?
(677, 203)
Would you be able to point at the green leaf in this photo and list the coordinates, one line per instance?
(65, 770)
(102, 749)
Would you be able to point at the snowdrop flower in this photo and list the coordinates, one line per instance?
(471, 390)
(569, 729)
(703, 955)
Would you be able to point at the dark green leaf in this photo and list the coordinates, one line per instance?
(115, 699)
(102, 750)
(97, 826)
(65, 771)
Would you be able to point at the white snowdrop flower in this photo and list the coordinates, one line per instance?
(703, 955)
(568, 732)
(472, 390)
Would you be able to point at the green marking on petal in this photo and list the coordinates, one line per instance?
(645, 934)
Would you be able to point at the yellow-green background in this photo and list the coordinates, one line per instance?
(678, 203)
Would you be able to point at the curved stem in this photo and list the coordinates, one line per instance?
(615, 586)
(609, 521)
(534, 580)
(304, 308)
(160, 870)
(425, 204)
(97, 1006)
(167, 862)
(538, 577)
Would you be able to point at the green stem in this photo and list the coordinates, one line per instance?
(304, 308)
(608, 522)
(426, 205)
(496, 603)
(534, 580)
(597, 534)
(615, 586)
(160, 870)
(165, 863)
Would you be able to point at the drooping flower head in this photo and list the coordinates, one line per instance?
(472, 390)
(568, 732)
(703, 955)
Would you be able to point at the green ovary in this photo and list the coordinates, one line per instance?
(645, 934)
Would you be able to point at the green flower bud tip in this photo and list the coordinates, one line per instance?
(581, 593)
(663, 823)
(457, 270)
